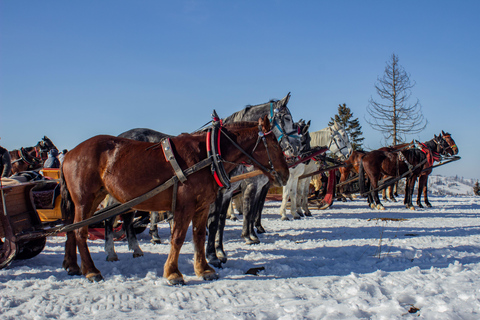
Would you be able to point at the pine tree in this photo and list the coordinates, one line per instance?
(352, 126)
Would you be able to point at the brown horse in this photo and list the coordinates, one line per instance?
(31, 158)
(353, 163)
(127, 168)
(377, 164)
(450, 149)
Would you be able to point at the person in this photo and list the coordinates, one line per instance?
(52, 160)
(5, 163)
(62, 155)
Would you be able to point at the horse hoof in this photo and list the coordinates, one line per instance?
(297, 217)
(308, 214)
(372, 205)
(215, 262)
(209, 276)
(429, 205)
(155, 241)
(74, 272)
(380, 207)
(94, 277)
(300, 214)
(138, 255)
(284, 219)
(250, 241)
(112, 259)
(260, 229)
(176, 282)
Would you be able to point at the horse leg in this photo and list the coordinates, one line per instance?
(259, 203)
(154, 219)
(376, 200)
(109, 245)
(408, 195)
(285, 197)
(88, 267)
(425, 192)
(131, 235)
(70, 259)
(304, 195)
(231, 212)
(248, 232)
(216, 218)
(202, 269)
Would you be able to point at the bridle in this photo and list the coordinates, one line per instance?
(453, 147)
(277, 123)
(213, 150)
(333, 140)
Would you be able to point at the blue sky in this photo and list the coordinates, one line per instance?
(74, 69)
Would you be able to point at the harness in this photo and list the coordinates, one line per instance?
(276, 126)
(214, 155)
(431, 155)
(333, 140)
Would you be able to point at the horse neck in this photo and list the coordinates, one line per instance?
(251, 113)
(431, 144)
(246, 138)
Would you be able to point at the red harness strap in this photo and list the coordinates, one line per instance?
(209, 151)
(431, 156)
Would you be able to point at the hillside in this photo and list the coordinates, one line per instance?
(440, 185)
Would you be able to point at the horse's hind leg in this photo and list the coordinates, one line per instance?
(70, 260)
(88, 267)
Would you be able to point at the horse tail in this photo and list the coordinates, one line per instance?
(66, 205)
(361, 177)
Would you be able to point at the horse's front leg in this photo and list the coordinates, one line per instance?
(258, 207)
(248, 232)
(376, 199)
(131, 235)
(202, 269)
(409, 194)
(109, 245)
(425, 192)
(179, 231)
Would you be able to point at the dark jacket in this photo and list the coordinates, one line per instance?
(52, 160)
(5, 163)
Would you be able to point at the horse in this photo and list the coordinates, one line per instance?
(451, 150)
(254, 188)
(31, 158)
(139, 134)
(110, 165)
(333, 137)
(376, 164)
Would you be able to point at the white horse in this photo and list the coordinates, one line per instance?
(335, 138)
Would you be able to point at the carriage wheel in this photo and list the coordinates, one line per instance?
(30, 248)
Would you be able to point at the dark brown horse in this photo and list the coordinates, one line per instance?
(127, 168)
(31, 158)
(377, 164)
(451, 149)
(353, 164)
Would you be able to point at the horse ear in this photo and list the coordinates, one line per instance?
(286, 99)
(443, 133)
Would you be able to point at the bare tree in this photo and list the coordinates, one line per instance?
(393, 116)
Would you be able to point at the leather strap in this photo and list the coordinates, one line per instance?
(167, 150)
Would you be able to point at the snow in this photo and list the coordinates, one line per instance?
(347, 262)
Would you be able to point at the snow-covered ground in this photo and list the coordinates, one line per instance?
(347, 262)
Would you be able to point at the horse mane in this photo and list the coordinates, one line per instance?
(239, 115)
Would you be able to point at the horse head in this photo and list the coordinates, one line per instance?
(284, 128)
(452, 148)
(340, 143)
(302, 130)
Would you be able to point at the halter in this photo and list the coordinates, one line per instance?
(274, 114)
(213, 150)
(333, 140)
